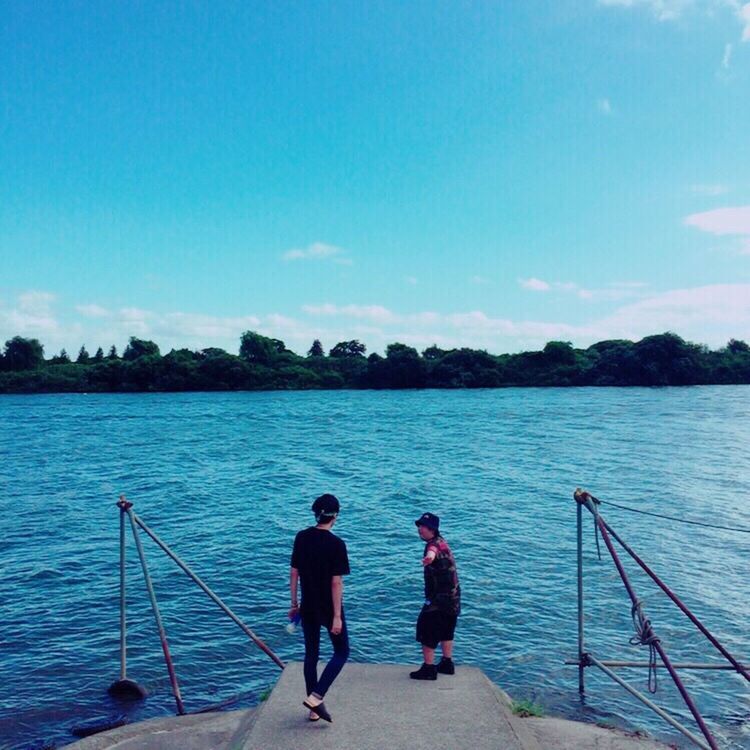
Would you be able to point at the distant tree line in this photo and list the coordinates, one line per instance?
(265, 363)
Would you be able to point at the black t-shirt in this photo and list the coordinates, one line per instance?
(318, 555)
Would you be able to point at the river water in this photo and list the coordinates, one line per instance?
(227, 479)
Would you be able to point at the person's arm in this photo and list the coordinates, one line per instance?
(337, 592)
(293, 579)
(430, 555)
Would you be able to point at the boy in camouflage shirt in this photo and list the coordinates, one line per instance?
(437, 620)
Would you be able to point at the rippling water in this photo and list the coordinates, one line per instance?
(227, 479)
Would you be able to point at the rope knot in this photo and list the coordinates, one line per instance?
(645, 636)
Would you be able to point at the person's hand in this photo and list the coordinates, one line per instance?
(336, 626)
(293, 612)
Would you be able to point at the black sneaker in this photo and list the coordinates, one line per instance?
(446, 666)
(425, 672)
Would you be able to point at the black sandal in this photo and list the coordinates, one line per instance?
(320, 710)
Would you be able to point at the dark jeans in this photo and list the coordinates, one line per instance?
(311, 628)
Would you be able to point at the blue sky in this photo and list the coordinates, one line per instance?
(483, 174)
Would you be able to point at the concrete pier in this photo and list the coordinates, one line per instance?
(374, 707)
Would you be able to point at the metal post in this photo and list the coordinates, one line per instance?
(663, 586)
(657, 644)
(646, 665)
(157, 615)
(123, 620)
(581, 662)
(124, 689)
(258, 642)
(641, 697)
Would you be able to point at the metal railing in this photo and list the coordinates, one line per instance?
(645, 634)
(125, 687)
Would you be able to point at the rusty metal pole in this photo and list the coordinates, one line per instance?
(157, 615)
(740, 668)
(648, 702)
(124, 688)
(224, 608)
(123, 617)
(657, 644)
(581, 645)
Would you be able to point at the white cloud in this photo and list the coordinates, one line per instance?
(709, 189)
(373, 313)
(628, 284)
(318, 251)
(727, 58)
(743, 13)
(611, 293)
(534, 285)
(663, 10)
(671, 10)
(203, 327)
(93, 311)
(730, 220)
(32, 315)
(710, 314)
(35, 302)
(721, 221)
(604, 106)
(479, 280)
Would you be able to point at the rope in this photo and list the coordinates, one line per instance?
(645, 636)
(674, 518)
(596, 528)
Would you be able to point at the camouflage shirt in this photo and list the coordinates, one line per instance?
(441, 588)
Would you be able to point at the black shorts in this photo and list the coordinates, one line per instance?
(435, 626)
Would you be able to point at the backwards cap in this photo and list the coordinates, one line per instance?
(325, 508)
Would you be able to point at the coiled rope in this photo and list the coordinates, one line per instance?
(645, 636)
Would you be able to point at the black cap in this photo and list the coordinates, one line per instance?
(430, 520)
(325, 507)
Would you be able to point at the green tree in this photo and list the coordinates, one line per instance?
(60, 359)
(467, 368)
(260, 349)
(23, 354)
(83, 356)
(99, 356)
(736, 346)
(212, 351)
(666, 359)
(348, 349)
(137, 348)
(559, 353)
(316, 350)
(112, 353)
(434, 352)
(401, 368)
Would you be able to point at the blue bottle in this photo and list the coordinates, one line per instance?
(294, 621)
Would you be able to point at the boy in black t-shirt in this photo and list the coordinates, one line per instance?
(319, 560)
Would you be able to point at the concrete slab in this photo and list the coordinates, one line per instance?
(209, 731)
(377, 706)
(561, 734)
